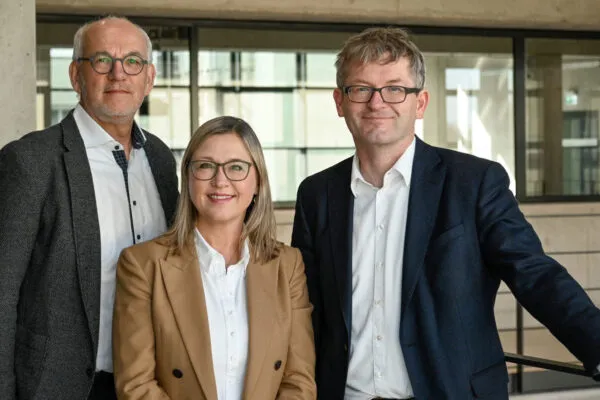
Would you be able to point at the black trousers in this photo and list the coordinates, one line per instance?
(103, 387)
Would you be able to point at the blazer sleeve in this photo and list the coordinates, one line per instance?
(303, 239)
(133, 334)
(511, 247)
(298, 380)
(20, 207)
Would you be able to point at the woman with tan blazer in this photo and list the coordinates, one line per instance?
(216, 308)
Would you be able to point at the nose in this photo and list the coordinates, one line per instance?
(220, 179)
(376, 100)
(117, 72)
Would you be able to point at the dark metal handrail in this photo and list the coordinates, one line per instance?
(546, 364)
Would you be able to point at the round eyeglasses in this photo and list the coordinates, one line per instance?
(234, 170)
(103, 63)
(389, 94)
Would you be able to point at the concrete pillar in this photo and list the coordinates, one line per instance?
(17, 69)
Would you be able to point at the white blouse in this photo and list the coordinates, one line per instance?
(226, 306)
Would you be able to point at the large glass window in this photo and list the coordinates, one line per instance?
(286, 96)
(563, 102)
(166, 110)
(471, 100)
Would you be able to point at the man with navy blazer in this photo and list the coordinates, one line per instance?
(405, 245)
(71, 197)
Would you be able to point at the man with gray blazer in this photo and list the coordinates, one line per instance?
(71, 198)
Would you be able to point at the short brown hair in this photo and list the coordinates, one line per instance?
(383, 45)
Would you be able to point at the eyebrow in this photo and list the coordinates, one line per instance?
(391, 82)
(133, 53)
(208, 158)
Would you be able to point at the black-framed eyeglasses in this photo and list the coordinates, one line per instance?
(389, 94)
(234, 170)
(103, 63)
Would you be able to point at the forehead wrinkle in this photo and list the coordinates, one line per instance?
(115, 39)
(384, 73)
(225, 156)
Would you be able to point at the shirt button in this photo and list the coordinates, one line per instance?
(231, 333)
(380, 227)
(377, 302)
(139, 237)
(379, 337)
(380, 265)
(117, 147)
(135, 203)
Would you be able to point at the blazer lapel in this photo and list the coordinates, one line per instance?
(261, 287)
(86, 228)
(340, 211)
(425, 190)
(183, 282)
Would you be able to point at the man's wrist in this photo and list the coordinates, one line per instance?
(596, 373)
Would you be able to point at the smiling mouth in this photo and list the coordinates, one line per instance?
(377, 117)
(220, 196)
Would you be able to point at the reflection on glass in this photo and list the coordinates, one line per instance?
(286, 170)
(61, 103)
(172, 67)
(318, 160)
(60, 58)
(320, 69)
(324, 128)
(210, 104)
(470, 105)
(563, 124)
(268, 69)
(274, 116)
(463, 78)
(168, 115)
(214, 68)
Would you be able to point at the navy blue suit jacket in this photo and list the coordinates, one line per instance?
(464, 234)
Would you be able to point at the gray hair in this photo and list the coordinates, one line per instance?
(385, 45)
(78, 39)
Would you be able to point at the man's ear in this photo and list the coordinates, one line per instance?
(422, 101)
(338, 97)
(74, 76)
(150, 76)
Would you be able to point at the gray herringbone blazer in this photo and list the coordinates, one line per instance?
(50, 261)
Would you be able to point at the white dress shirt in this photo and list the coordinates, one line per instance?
(376, 366)
(226, 306)
(129, 211)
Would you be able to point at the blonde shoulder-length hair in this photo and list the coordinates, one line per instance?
(259, 223)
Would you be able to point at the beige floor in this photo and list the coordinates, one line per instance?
(591, 394)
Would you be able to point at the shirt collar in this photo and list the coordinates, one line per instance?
(210, 259)
(94, 135)
(402, 166)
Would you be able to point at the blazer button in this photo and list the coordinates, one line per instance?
(177, 373)
(277, 365)
(345, 347)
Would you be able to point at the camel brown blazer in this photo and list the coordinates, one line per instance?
(161, 337)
